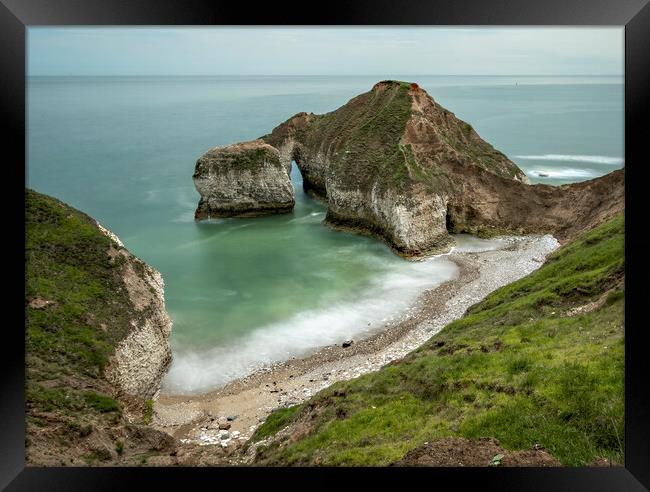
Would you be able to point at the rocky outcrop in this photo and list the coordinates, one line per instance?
(242, 180)
(142, 358)
(97, 341)
(395, 164)
(486, 205)
(458, 451)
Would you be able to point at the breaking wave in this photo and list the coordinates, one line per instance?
(563, 173)
(596, 159)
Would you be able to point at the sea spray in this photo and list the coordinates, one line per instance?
(563, 173)
(596, 159)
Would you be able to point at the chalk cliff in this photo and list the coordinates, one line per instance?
(97, 341)
(240, 180)
(394, 163)
(144, 355)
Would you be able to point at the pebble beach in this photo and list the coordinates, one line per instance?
(229, 416)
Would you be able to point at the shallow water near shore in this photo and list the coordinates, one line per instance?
(243, 292)
(383, 300)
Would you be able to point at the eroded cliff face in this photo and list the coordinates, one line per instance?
(97, 341)
(395, 164)
(240, 180)
(142, 358)
(487, 206)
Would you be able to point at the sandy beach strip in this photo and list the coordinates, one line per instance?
(195, 419)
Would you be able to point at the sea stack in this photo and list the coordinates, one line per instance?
(242, 180)
(395, 164)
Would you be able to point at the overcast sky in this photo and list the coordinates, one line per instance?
(325, 51)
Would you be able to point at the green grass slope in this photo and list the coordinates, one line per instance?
(540, 361)
(363, 140)
(77, 310)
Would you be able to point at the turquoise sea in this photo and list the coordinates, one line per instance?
(245, 292)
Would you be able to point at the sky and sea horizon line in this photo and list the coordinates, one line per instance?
(325, 51)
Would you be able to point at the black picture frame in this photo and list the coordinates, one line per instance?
(17, 15)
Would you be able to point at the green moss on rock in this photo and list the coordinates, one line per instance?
(243, 157)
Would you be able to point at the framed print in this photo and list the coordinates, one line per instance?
(381, 241)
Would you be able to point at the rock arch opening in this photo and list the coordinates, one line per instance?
(312, 175)
(295, 174)
(449, 221)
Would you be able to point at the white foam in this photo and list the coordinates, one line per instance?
(313, 217)
(466, 243)
(597, 159)
(151, 195)
(199, 370)
(566, 173)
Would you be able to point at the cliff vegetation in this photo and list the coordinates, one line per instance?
(539, 364)
(77, 312)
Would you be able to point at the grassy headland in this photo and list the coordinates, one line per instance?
(77, 310)
(72, 288)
